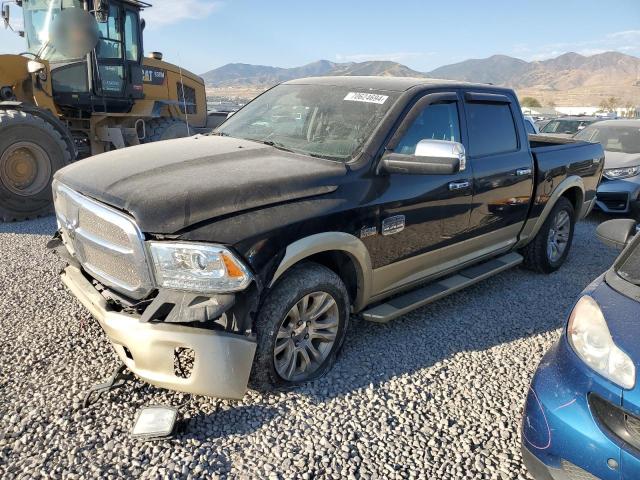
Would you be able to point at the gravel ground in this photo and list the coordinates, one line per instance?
(437, 393)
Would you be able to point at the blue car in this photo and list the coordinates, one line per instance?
(582, 414)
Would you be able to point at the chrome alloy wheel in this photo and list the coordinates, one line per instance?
(306, 336)
(558, 238)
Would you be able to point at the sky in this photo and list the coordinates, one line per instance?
(422, 34)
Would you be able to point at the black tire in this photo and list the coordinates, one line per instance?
(302, 280)
(17, 128)
(160, 129)
(536, 255)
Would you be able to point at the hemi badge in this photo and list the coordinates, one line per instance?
(393, 225)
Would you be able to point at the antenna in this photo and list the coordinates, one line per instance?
(184, 98)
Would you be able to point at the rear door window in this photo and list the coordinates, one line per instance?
(491, 129)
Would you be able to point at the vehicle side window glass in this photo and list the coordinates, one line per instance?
(131, 36)
(110, 44)
(437, 121)
(491, 129)
(529, 126)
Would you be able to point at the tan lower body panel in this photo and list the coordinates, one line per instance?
(222, 361)
(430, 293)
(395, 277)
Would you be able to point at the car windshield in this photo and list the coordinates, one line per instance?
(326, 121)
(620, 138)
(38, 19)
(564, 126)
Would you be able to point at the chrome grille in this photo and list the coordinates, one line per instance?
(107, 243)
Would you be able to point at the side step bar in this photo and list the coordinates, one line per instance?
(398, 306)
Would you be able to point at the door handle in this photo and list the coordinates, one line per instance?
(459, 185)
(523, 171)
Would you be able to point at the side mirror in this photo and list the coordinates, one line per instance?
(617, 233)
(6, 15)
(143, 24)
(432, 157)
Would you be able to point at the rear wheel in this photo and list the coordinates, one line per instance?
(549, 249)
(300, 328)
(31, 151)
(160, 129)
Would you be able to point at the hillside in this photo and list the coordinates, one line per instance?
(244, 75)
(570, 79)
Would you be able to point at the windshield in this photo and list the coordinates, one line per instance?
(326, 121)
(565, 126)
(622, 139)
(38, 18)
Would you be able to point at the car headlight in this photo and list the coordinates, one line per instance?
(590, 338)
(618, 173)
(198, 268)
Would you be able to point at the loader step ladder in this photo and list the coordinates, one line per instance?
(397, 306)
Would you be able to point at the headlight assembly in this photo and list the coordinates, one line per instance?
(618, 173)
(198, 268)
(590, 338)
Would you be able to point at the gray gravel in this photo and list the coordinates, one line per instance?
(437, 393)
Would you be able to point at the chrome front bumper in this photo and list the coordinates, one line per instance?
(222, 360)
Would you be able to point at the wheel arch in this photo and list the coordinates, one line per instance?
(576, 196)
(333, 250)
(571, 188)
(48, 117)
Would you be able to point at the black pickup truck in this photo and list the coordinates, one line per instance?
(237, 258)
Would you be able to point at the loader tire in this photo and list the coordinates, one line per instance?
(31, 151)
(160, 129)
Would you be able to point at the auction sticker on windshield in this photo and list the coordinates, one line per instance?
(366, 97)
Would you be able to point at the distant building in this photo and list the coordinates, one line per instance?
(621, 112)
(541, 111)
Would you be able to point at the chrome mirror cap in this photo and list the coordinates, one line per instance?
(442, 149)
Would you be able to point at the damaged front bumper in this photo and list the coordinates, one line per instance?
(222, 361)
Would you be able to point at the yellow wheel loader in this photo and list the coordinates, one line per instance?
(83, 87)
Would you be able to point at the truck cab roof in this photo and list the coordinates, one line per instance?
(397, 84)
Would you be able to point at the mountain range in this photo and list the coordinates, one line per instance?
(570, 79)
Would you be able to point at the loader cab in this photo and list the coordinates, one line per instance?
(118, 54)
(106, 79)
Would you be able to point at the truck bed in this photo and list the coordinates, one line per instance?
(558, 158)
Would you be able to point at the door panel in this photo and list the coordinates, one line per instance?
(501, 161)
(111, 76)
(434, 213)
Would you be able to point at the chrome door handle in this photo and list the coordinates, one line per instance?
(523, 171)
(459, 185)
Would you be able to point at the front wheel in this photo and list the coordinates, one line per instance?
(300, 328)
(549, 249)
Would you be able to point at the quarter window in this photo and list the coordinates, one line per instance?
(491, 129)
(187, 99)
(437, 121)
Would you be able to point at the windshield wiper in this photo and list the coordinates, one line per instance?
(273, 144)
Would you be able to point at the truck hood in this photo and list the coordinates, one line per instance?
(620, 160)
(168, 186)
